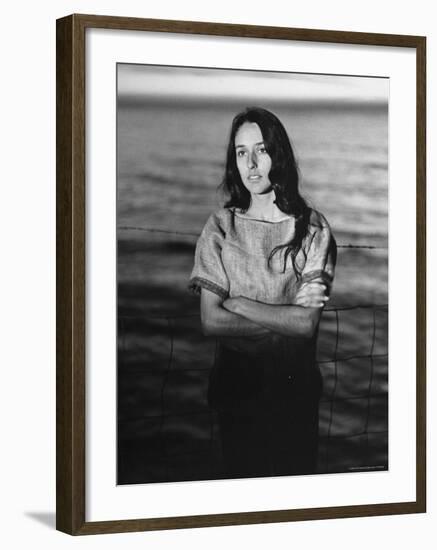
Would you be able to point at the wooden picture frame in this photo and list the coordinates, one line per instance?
(71, 274)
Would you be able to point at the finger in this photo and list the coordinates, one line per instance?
(313, 290)
(311, 303)
(313, 283)
(313, 294)
(312, 286)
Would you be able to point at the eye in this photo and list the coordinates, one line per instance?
(262, 149)
(241, 153)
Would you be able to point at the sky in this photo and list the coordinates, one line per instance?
(191, 84)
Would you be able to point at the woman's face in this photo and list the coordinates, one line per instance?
(253, 161)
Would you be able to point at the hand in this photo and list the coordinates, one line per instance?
(233, 304)
(311, 294)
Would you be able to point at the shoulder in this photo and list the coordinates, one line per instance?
(222, 215)
(218, 222)
(318, 222)
(319, 235)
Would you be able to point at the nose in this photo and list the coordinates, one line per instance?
(251, 160)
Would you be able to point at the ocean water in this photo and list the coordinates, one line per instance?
(170, 165)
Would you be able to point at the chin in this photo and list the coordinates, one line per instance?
(260, 189)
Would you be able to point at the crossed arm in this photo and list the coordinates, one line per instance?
(244, 317)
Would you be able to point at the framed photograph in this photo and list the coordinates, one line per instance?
(240, 274)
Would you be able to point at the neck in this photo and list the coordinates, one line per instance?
(263, 207)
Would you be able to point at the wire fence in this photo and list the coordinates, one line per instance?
(196, 235)
(167, 432)
(371, 395)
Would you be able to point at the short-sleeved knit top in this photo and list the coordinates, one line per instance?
(233, 250)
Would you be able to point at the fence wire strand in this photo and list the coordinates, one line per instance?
(196, 235)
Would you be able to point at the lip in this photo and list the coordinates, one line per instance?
(254, 177)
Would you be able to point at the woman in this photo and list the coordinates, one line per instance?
(264, 266)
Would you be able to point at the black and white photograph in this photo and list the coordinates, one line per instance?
(252, 274)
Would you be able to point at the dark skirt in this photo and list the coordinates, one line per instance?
(267, 406)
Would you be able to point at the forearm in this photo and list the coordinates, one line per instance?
(221, 322)
(288, 320)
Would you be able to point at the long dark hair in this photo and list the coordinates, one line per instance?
(284, 176)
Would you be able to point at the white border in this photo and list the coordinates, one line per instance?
(105, 500)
